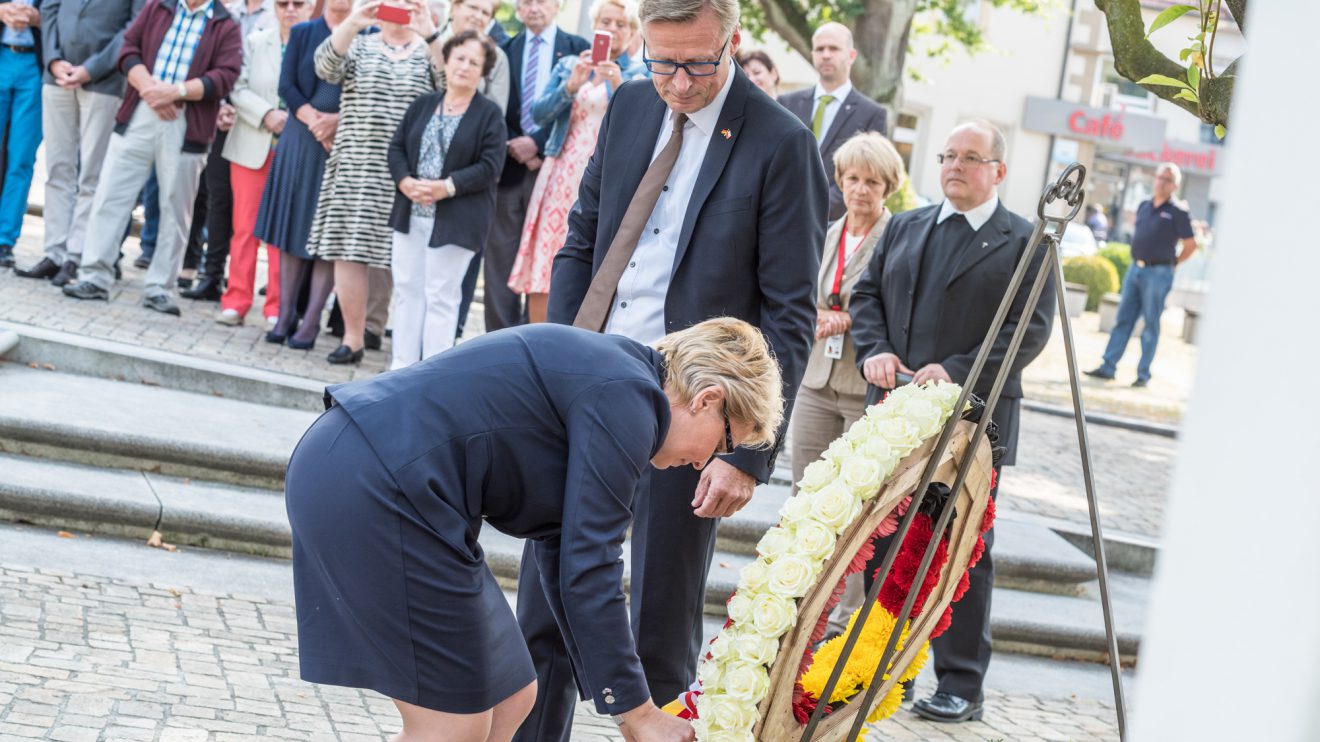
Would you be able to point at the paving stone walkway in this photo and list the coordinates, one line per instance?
(86, 658)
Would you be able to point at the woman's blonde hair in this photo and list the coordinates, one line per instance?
(628, 7)
(871, 152)
(734, 356)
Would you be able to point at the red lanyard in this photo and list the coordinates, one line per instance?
(836, 301)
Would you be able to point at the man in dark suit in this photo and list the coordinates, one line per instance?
(725, 201)
(923, 308)
(833, 109)
(532, 54)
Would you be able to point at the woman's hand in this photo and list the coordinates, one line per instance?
(611, 72)
(363, 17)
(581, 72)
(647, 723)
(416, 190)
(274, 120)
(224, 120)
(830, 322)
(422, 23)
(323, 127)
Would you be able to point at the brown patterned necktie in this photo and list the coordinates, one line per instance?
(595, 309)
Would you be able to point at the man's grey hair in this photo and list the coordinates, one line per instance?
(686, 11)
(998, 144)
(1173, 169)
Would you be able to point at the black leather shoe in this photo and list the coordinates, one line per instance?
(143, 261)
(370, 340)
(343, 354)
(205, 289)
(6, 256)
(909, 691)
(162, 304)
(47, 268)
(67, 275)
(947, 707)
(1141, 383)
(1099, 373)
(86, 290)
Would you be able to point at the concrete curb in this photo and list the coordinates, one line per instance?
(1124, 552)
(88, 356)
(1106, 419)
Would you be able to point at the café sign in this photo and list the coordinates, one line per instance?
(1129, 131)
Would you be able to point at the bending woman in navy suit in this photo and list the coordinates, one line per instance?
(542, 432)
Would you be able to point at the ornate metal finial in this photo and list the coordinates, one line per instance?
(1068, 188)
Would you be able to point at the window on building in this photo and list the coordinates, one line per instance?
(905, 137)
(1125, 93)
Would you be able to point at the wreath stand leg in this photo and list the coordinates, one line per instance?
(1048, 232)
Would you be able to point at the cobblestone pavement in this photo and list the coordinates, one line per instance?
(85, 658)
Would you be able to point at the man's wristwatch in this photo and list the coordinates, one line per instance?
(450, 188)
(183, 91)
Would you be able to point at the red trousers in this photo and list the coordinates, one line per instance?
(247, 185)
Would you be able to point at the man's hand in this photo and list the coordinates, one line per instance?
(930, 372)
(723, 490)
(76, 77)
(274, 120)
(159, 94)
(224, 120)
(522, 148)
(647, 723)
(830, 323)
(882, 369)
(534, 164)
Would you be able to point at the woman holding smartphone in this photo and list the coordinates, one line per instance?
(575, 100)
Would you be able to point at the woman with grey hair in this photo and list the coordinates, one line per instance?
(475, 15)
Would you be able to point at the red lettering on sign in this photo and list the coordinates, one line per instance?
(1105, 127)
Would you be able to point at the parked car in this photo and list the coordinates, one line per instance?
(1077, 240)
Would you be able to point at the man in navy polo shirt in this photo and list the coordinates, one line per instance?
(1161, 225)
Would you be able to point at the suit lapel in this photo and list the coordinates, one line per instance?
(846, 110)
(828, 259)
(990, 238)
(801, 107)
(717, 155)
(641, 127)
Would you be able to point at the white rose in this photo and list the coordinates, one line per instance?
(946, 394)
(899, 434)
(859, 431)
(775, 543)
(814, 539)
(878, 450)
(796, 509)
(863, 475)
(818, 474)
(720, 648)
(729, 735)
(925, 415)
(752, 577)
(709, 674)
(739, 608)
(771, 615)
(726, 714)
(839, 450)
(701, 725)
(835, 507)
(752, 647)
(791, 575)
(746, 682)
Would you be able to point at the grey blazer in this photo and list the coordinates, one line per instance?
(841, 375)
(858, 113)
(87, 33)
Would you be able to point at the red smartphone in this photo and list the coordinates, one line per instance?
(600, 47)
(394, 14)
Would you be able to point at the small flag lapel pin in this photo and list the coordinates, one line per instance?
(726, 133)
(984, 245)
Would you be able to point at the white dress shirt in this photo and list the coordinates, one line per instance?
(543, 63)
(977, 217)
(639, 305)
(831, 109)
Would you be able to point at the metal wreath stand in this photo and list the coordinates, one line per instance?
(1048, 232)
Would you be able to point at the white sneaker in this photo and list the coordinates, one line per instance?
(271, 322)
(229, 317)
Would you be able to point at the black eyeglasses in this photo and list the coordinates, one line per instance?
(728, 436)
(694, 69)
(290, 3)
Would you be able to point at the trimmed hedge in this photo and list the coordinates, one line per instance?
(1120, 254)
(1096, 273)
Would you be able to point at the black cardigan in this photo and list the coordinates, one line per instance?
(474, 159)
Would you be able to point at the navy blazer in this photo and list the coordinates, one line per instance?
(473, 161)
(298, 79)
(543, 432)
(857, 113)
(949, 329)
(565, 43)
(750, 243)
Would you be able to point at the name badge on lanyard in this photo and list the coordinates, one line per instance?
(834, 347)
(834, 343)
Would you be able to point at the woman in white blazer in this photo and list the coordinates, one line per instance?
(250, 148)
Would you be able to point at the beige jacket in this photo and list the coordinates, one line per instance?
(256, 93)
(840, 375)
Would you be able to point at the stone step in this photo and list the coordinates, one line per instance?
(79, 497)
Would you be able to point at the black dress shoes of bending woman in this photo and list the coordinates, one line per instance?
(344, 354)
(947, 707)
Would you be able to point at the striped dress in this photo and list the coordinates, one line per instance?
(352, 215)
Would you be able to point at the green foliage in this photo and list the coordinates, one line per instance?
(1096, 273)
(1120, 254)
(1198, 55)
(903, 199)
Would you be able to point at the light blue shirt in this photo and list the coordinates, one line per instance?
(18, 38)
(543, 63)
(180, 43)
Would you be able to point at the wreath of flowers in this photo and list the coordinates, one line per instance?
(733, 677)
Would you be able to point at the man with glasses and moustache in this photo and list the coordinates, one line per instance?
(923, 308)
(704, 198)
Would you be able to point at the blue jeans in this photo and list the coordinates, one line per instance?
(20, 113)
(150, 216)
(1144, 292)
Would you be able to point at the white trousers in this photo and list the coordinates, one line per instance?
(148, 143)
(428, 288)
(77, 125)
